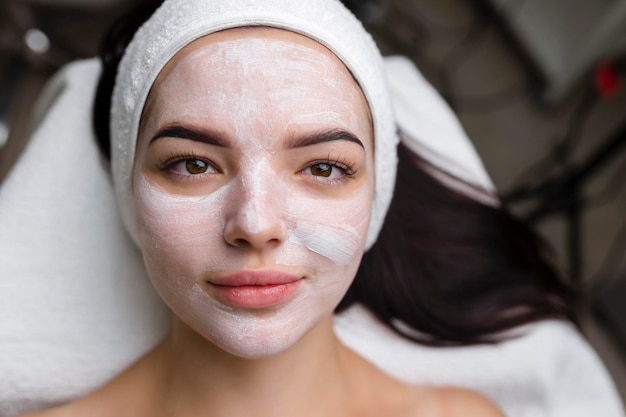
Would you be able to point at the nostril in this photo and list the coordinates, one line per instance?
(240, 242)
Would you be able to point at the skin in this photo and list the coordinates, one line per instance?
(263, 194)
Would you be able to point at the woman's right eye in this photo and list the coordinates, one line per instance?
(192, 166)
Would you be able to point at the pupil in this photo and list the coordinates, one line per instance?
(196, 166)
(321, 170)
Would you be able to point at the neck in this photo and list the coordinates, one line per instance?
(199, 376)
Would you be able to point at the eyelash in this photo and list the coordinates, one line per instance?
(346, 167)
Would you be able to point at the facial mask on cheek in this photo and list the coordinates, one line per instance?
(334, 230)
(178, 229)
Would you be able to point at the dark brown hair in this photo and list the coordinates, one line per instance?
(449, 268)
(454, 270)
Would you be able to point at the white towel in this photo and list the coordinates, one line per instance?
(435, 132)
(75, 303)
(76, 306)
(550, 371)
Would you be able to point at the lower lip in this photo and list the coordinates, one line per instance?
(256, 296)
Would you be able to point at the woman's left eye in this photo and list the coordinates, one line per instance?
(329, 170)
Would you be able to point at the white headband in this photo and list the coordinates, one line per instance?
(178, 22)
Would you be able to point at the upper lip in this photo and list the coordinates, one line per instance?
(255, 278)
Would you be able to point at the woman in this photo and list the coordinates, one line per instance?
(254, 158)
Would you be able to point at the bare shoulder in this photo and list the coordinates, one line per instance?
(462, 402)
(421, 401)
(446, 402)
(389, 396)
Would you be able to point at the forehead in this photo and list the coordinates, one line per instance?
(267, 67)
(281, 36)
(226, 47)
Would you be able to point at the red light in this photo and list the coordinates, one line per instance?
(607, 80)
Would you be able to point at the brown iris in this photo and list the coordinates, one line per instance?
(196, 166)
(321, 170)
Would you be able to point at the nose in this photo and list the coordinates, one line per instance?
(255, 218)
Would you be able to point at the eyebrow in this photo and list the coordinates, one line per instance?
(197, 135)
(323, 137)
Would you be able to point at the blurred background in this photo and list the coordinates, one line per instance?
(539, 85)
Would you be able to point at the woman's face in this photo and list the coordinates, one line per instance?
(253, 184)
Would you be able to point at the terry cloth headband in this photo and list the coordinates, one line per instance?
(178, 22)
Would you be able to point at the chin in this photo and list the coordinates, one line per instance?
(257, 347)
(253, 334)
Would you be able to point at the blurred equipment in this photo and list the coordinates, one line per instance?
(563, 193)
(564, 39)
(36, 38)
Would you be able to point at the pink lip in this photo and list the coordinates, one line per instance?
(256, 289)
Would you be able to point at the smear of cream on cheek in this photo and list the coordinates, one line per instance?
(340, 243)
(333, 229)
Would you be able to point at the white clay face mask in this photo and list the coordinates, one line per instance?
(253, 184)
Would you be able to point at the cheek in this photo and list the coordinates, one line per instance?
(176, 232)
(334, 229)
(330, 235)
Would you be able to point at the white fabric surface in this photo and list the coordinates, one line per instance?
(178, 22)
(435, 132)
(76, 306)
(550, 371)
(75, 303)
